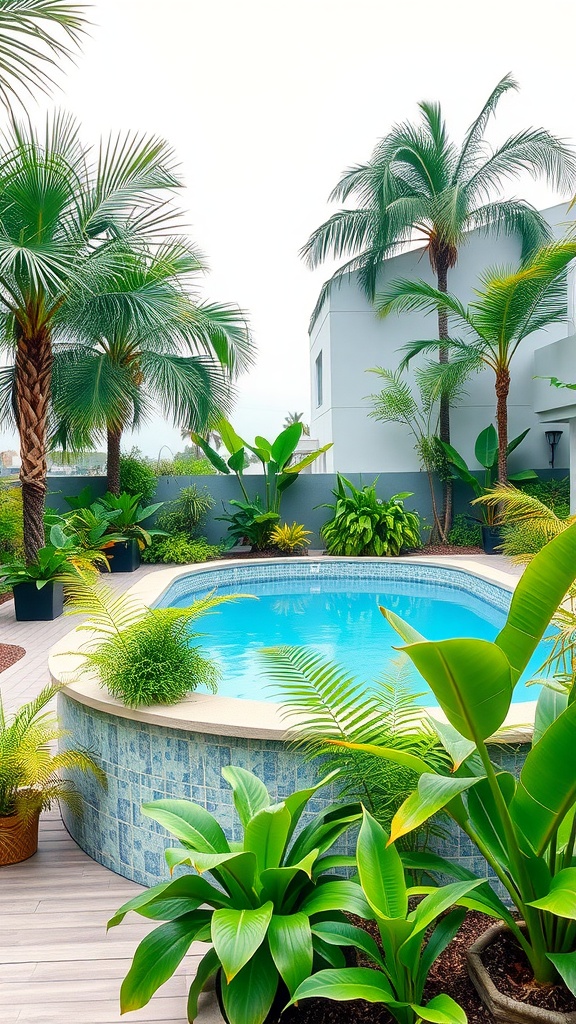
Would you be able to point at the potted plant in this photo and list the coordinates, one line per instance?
(525, 828)
(486, 452)
(124, 550)
(30, 775)
(272, 914)
(38, 586)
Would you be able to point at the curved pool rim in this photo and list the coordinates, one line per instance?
(235, 717)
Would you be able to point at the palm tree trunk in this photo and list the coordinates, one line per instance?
(33, 376)
(502, 389)
(444, 419)
(114, 438)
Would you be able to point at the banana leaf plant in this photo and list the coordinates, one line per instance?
(275, 458)
(486, 452)
(525, 828)
(411, 940)
(261, 912)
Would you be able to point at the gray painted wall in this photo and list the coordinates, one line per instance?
(299, 503)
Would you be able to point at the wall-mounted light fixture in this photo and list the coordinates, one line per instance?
(553, 437)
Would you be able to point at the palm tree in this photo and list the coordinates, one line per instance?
(148, 344)
(296, 417)
(418, 184)
(34, 36)
(509, 308)
(65, 214)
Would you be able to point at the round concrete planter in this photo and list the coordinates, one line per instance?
(503, 1009)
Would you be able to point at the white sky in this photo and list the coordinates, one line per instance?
(266, 103)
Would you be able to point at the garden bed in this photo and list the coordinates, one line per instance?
(9, 655)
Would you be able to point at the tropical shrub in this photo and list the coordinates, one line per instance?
(465, 532)
(11, 521)
(279, 472)
(527, 523)
(143, 655)
(364, 524)
(555, 494)
(60, 561)
(274, 913)
(185, 465)
(186, 513)
(324, 703)
(250, 524)
(290, 539)
(137, 477)
(411, 940)
(179, 549)
(30, 774)
(130, 516)
(526, 827)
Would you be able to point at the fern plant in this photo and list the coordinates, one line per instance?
(527, 523)
(143, 655)
(30, 774)
(327, 706)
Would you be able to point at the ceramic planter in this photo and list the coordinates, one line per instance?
(124, 556)
(33, 605)
(504, 1009)
(18, 838)
(491, 540)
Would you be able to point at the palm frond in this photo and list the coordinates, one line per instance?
(35, 37)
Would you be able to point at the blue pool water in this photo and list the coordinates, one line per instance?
(339, 618)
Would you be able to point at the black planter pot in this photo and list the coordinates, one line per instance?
(33, 605)
(491, 540)
(124, 556)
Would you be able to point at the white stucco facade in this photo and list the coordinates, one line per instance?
(349, 339)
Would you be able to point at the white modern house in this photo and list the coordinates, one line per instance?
(347, 339)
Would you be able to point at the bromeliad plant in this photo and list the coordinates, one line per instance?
(486, 452)
(130, 517)
(279, 474)
(411, 939)
(291, 539)
(273, 913)
(525, 828)
(364, 524)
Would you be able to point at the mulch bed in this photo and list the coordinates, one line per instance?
(9, 655)
(449, 974)
(447, 549)
(6, 596)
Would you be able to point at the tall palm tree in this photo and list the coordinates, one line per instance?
(420, 185)
(35, 35)
(148, 343)
(509, 307)
(296, 417)
(65, 214)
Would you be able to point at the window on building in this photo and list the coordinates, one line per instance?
(319, 380)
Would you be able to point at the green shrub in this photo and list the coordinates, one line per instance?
(187, 512)
(180, 550)
(465, 532)
(11, 521)
(187, 466)
(553, 493)
(137, 477)
(364, 524)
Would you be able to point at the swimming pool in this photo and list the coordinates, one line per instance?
(334, 609)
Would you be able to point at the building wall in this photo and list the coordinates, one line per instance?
(352, 340)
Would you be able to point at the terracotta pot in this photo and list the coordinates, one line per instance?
(504, 1009)
(18, 838)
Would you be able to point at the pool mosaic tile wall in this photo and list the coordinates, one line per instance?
(145, 762)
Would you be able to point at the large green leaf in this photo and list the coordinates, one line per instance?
(155, 961)
(434, 905)
(402, 757)
(237, 461)
(275, 881)
(290, 941)
(323, 831)
(249, 793)
(248, 997)
(171, 899)
(561, 898)
(213, 457)
(206, 969)
(237, 934)
(345, 984)
(434, 792)
(192, 824)
(339, 933)
(565, 964)
(547, 786)
(471, 680)
(431, 862)
(405, 631)
(236, 871)
(538, 594)
(232, 441)
(551, 703)
(457, 746)
(266, 835)
(338, 895)
(297, 467)
(513, 444)
(285, 444)
(486, 818)
(380, 870)
(441, 1010)
(297, 801)
(486, 447)
(441, 936)
(461, 469)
